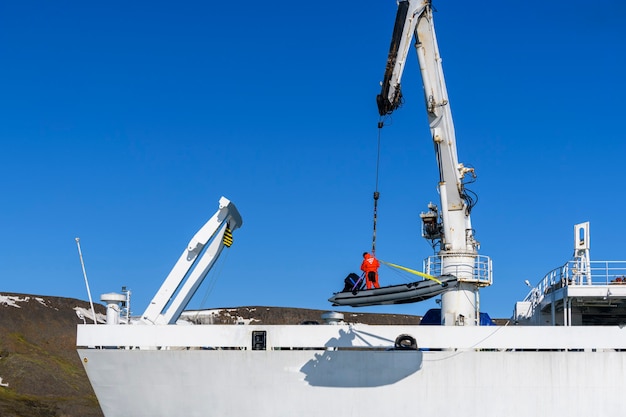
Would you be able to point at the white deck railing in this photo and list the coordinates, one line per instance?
(481, 269)
(579, 273)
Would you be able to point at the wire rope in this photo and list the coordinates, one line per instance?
(376, 193)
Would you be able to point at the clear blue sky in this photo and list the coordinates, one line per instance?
(123, 123)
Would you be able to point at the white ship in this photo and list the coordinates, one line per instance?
(564, 352)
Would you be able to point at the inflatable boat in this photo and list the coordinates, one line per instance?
(394, 294)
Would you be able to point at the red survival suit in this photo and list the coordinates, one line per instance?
(370, 267)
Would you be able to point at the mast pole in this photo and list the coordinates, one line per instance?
(82, 264)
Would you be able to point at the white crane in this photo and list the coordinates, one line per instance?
(193, 265)
(448, 227)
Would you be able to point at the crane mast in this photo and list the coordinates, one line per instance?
(448, 227)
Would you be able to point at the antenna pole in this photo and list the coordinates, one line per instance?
(82, 264)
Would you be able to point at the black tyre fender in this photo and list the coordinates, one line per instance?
(405, 342)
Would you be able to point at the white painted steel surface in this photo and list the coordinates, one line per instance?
(303, 383)
(192, 266)
(296, 336)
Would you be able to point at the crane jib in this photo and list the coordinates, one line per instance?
(385, 104)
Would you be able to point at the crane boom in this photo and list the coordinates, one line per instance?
(450, 227)
(193, 265)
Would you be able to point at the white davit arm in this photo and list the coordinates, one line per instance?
(201, 253)
(414, 18)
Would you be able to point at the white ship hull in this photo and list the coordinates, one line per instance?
(345, 371)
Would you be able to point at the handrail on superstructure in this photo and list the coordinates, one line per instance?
(570, 274)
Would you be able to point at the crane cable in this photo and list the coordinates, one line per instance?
(376, 193)
(376, 196)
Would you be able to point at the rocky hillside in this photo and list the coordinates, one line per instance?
(41, 374)
(39, 367)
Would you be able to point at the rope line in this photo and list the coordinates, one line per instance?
(412, 271)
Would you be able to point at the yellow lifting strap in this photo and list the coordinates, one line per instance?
(413, 271)
(228, 237)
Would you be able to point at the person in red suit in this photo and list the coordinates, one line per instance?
(370, 268)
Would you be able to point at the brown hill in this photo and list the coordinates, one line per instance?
(283, 315)
(38, 359)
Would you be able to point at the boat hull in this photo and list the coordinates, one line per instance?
(352, 370)
(309, 383)
(394, 294)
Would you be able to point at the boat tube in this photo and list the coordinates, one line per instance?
(412, 292)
